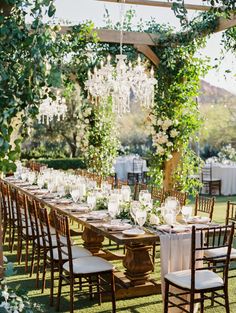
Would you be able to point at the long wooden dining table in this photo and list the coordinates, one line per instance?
(135, 279)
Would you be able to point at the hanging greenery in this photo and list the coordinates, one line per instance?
(102, 142)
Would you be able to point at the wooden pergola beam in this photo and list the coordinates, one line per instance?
(160, 4)
(129, 38)
(147, 51)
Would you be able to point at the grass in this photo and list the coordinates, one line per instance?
(151, 304)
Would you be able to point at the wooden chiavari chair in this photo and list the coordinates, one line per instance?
(157, 194)
(137, 188)
(50, 249)
(201, 280)
(121, 183)
(111, 180)
(13, 216)
(24, 228)
(209, 182)
(6, 213)
(204, 205)
(84, 271)
(179, 195)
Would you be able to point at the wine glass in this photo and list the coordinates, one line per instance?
(141, 216)
(91, 201)
(186, 212)
(75, 194)
(113, 208)
(135, 206)
(125, 192)
(61, 190)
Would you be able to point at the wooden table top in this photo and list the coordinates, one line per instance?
(117, 236)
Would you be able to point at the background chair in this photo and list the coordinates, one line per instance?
(209, 182)
(179, 195)
(158, 194)
(200, 280)
(205, 205)
(137, 174)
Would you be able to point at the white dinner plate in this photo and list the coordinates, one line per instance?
(117, 227)
(198, 220)
(133, 232)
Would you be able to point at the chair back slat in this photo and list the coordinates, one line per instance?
(45, 227)
(63, 232)
(230, 212)
(205, 205)
(33, 217)
(121, 183)
(211, 238)
(137, 188)
(157, 194)
(179, 195)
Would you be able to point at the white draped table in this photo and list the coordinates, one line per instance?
(124, 165)
(227, 174)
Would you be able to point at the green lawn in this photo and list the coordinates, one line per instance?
(152, 304)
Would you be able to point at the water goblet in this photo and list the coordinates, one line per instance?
(75, 194)
(91, 201)
(113, 208)
(141, 216)
(186, 212)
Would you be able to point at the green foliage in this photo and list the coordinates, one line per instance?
(102, 144)
(64, 164)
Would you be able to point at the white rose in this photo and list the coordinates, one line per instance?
(154, 219)
(166, 124)
(86, 121)
(169, 144)
(174, 133)
(159, 122)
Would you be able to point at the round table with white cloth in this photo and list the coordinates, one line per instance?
(124, 165)
(227, 174)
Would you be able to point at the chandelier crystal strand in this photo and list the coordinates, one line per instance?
(52, 109)
(124, 83)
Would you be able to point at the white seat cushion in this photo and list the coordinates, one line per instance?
(89, 265)
(54, 241)
(77, 252)
(213, 253)
(204, 279)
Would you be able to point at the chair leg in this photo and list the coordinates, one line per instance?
(52, 283)
(38, 267)
(19, 249)
(90, 288)
(98, 290)
(153, 255)
(72, 294)
(202, 302)
(227, 309)
(44, 273)
(32, 260)
(192, 303)
(113, 293)
(26, 254)
(59, 291)
(166, 297)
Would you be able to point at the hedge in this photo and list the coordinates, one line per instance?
(63, 164)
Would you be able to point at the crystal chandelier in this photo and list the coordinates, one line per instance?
(50, 110)
(123, 82)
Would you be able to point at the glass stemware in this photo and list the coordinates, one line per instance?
(113, 208)
(91, 201)
(135, 206)
(75, 194)
(186, 212)
(141, 216)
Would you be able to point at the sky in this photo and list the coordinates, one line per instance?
(77, 11)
